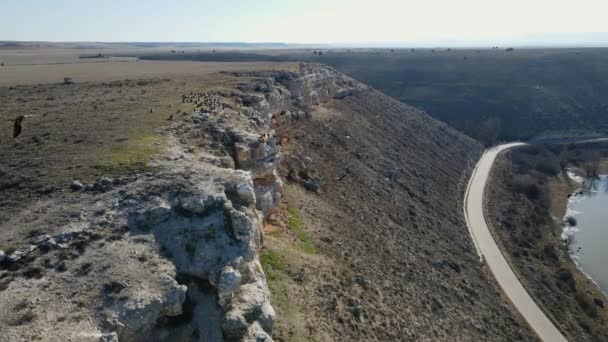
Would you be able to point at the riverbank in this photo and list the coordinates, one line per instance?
(584, 228)
(526, 201)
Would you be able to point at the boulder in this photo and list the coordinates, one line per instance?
(242, 152)
(76, 186)
(140, 312)
(40, 239)
(201, 205)
(311, 185)
(245, 193)
(256, 333)
(230, 279)
(250, 304)
(103, 184)
(242, 227)
(267, 316)
(174, 297)
(153, 214)
(234, 325)
(109, 337)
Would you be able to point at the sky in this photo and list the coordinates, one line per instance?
(302, 21)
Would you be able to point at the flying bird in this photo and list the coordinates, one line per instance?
(17, 127)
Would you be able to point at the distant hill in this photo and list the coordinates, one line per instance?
(492, 93)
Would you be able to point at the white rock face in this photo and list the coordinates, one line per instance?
(111, 337)
(230, 279)
(246, 193)
(197, 219)
(282, 93)
(143, 308)
(153, 214)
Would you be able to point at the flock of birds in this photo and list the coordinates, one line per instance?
(202, 101)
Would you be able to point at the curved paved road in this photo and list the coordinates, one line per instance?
(488, 249)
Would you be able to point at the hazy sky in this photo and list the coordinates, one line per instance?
(296, 21)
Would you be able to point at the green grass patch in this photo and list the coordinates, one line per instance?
(295, 224)
(274, 265)
(7, 248)
(134, 153)
(275, 268)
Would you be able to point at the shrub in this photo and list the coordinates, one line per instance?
(598, 302)
(23, 319)
(536, 158)
(527, 185)
(585, 304)
(571, 221)
(565, 276)
(549, 252)
(591, 168)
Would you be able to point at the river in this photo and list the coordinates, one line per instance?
(589, 233)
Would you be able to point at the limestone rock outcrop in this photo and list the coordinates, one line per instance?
(281, 99)
(173, 253)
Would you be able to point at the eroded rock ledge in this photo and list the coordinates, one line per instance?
(172, 255)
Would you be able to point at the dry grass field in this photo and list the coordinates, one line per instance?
(41, 66)
(104, 124)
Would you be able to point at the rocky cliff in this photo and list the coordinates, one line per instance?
(172, 254)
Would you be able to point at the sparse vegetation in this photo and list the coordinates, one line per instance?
(133, 153)
(25, 318)
(294, 222)
(273, 264)
(527, 185)
(521, 201)
(7, 248)
(275, 268)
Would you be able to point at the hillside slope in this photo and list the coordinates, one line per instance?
(296, 191)
(393, 259)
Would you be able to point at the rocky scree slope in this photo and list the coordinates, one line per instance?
(170, 254)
